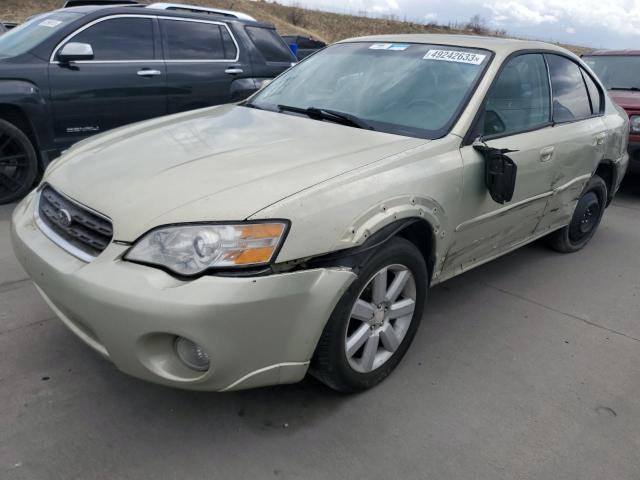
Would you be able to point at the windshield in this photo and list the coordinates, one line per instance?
(407, 89)
(616, 71)
(26, 36)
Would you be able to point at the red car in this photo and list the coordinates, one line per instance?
(619, 71)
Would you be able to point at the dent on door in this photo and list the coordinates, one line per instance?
(506, 187)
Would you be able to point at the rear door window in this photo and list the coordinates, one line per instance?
(187, 40)
(570, 97)
(120, 39)
(270, 45)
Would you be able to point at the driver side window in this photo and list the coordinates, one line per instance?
(519, 100)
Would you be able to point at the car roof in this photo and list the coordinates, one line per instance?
(622, 53)
(499, 45)
(141, 9)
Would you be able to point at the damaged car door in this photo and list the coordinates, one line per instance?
(515, 120)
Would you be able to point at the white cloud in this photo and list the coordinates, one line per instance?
(621, 16)
(591, 22)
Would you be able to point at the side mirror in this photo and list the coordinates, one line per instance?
(73, 52)
(500, 173)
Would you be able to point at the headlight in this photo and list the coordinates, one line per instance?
(634, 121)
(193, 248)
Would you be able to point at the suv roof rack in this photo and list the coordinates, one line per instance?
(197, 9)
(83, 3)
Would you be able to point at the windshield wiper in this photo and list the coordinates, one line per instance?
(633, 89)
(329, 115)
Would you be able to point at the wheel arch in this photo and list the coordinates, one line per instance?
(17, 117)
(607, 170)
(417, 230)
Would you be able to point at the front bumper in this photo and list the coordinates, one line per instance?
(257, 331)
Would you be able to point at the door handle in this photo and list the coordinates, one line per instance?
(149, 73)
(233, 71)
(600, 138)
(546, 154)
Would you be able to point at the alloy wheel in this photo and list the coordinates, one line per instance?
(380, 318)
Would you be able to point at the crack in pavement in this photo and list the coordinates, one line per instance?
(547, 307)
(8, 286)
(22, 327)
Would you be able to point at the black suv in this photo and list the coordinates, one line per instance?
(75, 72)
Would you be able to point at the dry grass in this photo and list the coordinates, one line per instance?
(329, 27)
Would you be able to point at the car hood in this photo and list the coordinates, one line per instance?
(627, 99)
(221, 163)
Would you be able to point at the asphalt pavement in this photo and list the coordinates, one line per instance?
(525, 368)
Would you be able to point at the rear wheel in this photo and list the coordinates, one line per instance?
(18, 163)
(585, 220)
(374, 323)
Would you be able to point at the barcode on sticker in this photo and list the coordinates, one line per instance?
(455, 56)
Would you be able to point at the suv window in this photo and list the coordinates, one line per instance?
(188, 40)
(24, 37)
(270, 44)
(594, 93)
(120, 39)
(519, 99)
(570, 98)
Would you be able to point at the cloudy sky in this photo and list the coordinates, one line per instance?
(594, 23)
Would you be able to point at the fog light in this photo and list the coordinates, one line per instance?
(192, 354)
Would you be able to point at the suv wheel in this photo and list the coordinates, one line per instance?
(585, 220)
(374, 323)
(18, 163)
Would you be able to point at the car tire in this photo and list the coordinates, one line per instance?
(18, 163)
(342, 361)
(585, 220)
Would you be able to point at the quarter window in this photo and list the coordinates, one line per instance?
(120, 39)
(570, 98)
(519, 100)
(198, 41)
(270, 45)
(594, 93)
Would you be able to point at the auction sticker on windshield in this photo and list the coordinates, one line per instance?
(389, 46)
(455, 56)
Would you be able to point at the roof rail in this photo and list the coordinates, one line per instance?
(83, 3)
(197, 9)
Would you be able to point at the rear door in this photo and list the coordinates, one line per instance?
(271, 55)
(577, 116)
(124, 83)
(203, 59)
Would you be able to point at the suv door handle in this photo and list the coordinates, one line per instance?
(546, 154)
(234, 71)
(146, 72)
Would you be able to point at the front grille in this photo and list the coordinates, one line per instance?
(72, 226)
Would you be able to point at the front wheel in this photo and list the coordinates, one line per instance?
(585, 221)
(374, 323)
(18, 163)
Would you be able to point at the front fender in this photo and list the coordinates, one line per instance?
(28, 98)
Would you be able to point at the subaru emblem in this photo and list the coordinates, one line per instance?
(64, 217)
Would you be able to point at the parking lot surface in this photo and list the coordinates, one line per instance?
(525, 368)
